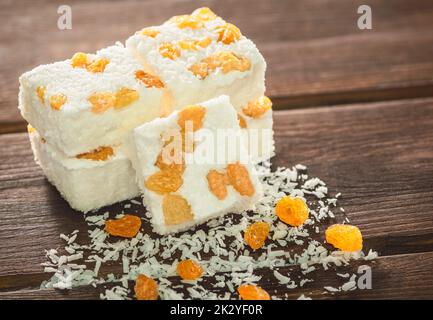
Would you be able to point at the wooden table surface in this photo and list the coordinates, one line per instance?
(355, 106)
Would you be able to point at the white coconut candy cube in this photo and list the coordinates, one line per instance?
(90, 100)
(199, 57)
(190, 176)
(86, 183)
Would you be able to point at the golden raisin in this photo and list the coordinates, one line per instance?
(189, 270)
(293, 211)
(149, 80)
(102, 101)
(242, 122)
(163, 165)
(200, 69)
(252, 292)
(257, 107)
(98, 65)
(30, 129)
(150, 32)
(239, 178)
(145, 288)
(227, 61)
(125, 97)
(169, 51)
(344, 237)
(187, 21)
(194, 45)
(57, 101)
(126, 227)
(204, 14)
(100, 154)
(228, 33)
(191, 116)
(164, 181)
(256, 234)
(40, 91)
(217, 184)
(176, 209)
(79, 60)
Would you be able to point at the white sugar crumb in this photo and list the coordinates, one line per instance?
(290, 255)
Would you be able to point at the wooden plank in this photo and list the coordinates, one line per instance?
(315, 52)
(406, 276)
(378, 155)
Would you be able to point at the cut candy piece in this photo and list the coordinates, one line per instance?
(86, 184)
(214, 177)
(90, 100)
(200, 57)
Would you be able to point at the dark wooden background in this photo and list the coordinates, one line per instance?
(355, 106)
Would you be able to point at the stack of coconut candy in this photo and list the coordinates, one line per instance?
(135, 119)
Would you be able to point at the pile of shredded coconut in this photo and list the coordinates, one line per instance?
(228, 262)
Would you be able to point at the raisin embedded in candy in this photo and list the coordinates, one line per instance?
(228, 33)
(126, 227)
(252, 292)
(217, 184)
(145, 288)
(57, 101)
(97, 65)
(164, 165)
(242, 122)
(40, 91)
(293, 211)
(176, 209)
(102, 101)
(100, 154)
(257, 107)
(187, 21)
(230, 61)
(124, 97)
(150, 32)
(344, 237)
(227, 61)
(239, 178)
(79, 60)
(164, 181)
(149, 80)
(189, 270)
(194, 45)
(169, 51)
(192, 114)
(30, 129)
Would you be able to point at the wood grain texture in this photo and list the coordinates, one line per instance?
(314, 50)
(394, 277)
(379, 156)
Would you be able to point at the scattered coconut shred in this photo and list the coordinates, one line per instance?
(228, 262)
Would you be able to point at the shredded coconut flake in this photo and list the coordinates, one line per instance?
(221, 250)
